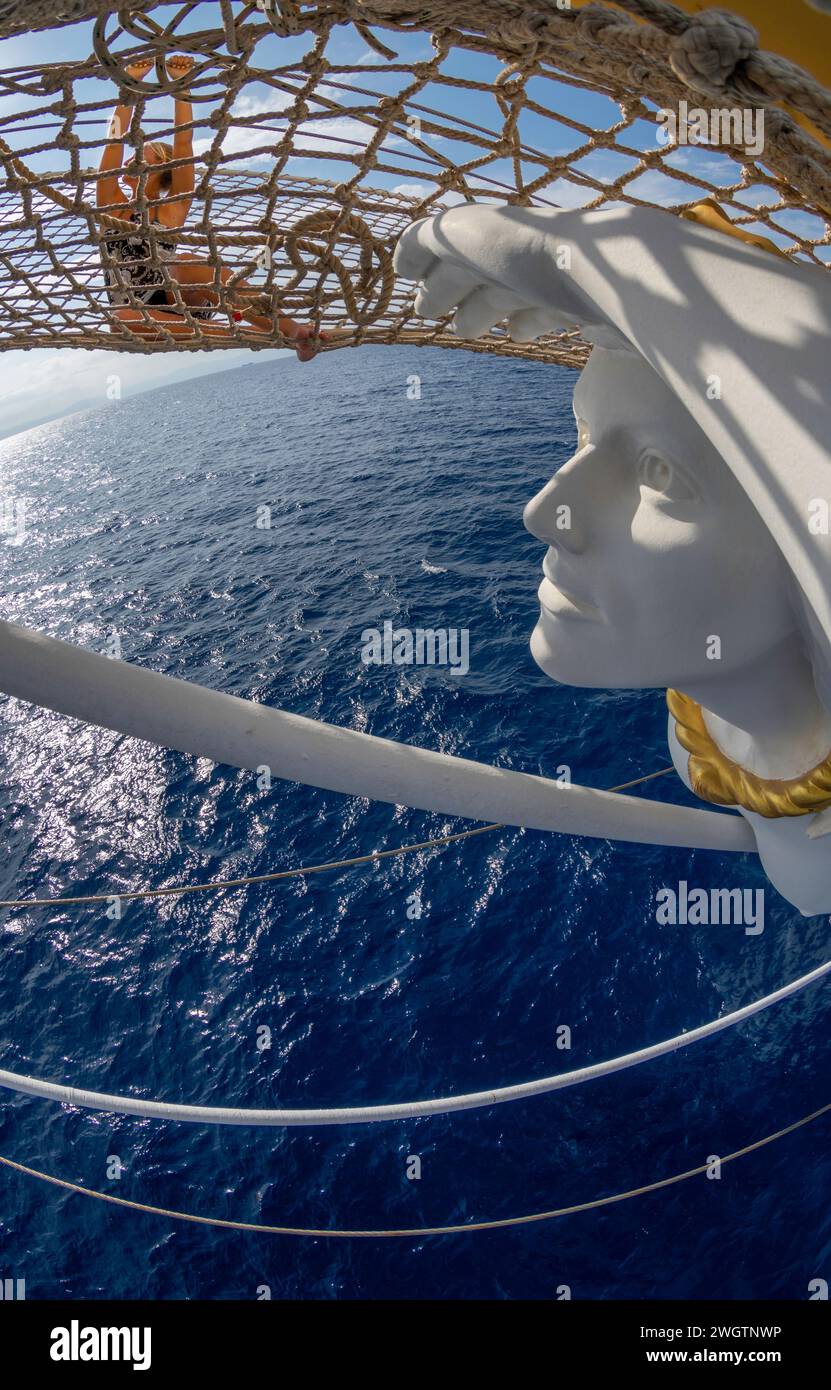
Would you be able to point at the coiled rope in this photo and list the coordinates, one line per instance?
(404, 1110)
(414, 1231)
(436, 843)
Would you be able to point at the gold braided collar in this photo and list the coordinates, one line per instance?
(715, 777)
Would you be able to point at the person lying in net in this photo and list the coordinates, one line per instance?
(195, 278)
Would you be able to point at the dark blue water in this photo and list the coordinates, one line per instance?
(142, 522)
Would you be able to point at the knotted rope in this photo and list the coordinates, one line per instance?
(333, 256)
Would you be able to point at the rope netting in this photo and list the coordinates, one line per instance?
(319, 131)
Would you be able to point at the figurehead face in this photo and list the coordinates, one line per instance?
(695, 507)
(654, 548)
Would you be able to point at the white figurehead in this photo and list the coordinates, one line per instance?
(687, 537)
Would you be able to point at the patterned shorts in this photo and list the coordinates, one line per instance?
(139, 280)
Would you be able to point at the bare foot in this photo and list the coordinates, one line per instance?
(302, 335)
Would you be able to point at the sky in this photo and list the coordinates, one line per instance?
(44, 384)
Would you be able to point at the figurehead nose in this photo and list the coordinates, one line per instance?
(558, 515)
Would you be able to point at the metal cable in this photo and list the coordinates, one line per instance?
(435, 843)
(414, 1231)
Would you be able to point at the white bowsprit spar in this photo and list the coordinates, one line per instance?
(191, 719)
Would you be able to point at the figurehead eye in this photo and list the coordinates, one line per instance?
(655, 472)
(664, 477)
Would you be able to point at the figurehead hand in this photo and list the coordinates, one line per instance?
(467, 258)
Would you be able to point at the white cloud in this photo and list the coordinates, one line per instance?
(43, 384)
(340, 133)
(413, 190)
(320, 133)
(449, 199)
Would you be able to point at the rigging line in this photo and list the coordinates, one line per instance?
(179, 889)
(415, 1231)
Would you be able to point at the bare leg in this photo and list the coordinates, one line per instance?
(197, 281)
(141, 322)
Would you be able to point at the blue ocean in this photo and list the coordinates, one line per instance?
(441, 971)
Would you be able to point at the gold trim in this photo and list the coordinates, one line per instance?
(716, 778)
(711, 214)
